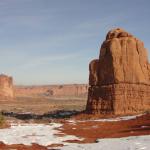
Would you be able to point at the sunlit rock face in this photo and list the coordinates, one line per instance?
(120, 79)
(6, 87)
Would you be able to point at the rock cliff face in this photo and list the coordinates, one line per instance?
(52, 90)
(6, 87)
(120, 79)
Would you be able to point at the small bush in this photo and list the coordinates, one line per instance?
(147, 112)
(2, 120)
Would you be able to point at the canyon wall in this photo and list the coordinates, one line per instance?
(120, 79)
(52, 90)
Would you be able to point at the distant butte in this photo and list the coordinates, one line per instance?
(6, 87)
(119, 81)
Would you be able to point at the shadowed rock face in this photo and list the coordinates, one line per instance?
(6, 87)
(120, 79)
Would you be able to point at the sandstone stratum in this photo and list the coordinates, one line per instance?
(119, 81)
(6, 87)
(53, 90)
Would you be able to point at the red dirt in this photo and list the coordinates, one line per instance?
(92, 130)
(25, 147)
(21, 147)
(5, 125)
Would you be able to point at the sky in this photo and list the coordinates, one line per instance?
(53, 41)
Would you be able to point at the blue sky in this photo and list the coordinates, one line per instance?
(52, 41)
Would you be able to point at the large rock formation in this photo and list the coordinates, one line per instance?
(120, 79)
(6, 87)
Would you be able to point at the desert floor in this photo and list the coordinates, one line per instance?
(33, 123)
(40, 105)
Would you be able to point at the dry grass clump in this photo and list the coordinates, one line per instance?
(2, 119)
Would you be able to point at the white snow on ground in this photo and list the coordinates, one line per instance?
(129, 143)
(119, 118)
(42, 134)
(124, 118)
(33, 133)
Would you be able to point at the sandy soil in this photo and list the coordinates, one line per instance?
(40, 105)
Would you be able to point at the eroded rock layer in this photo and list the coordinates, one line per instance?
(120, 79)
(6, 87)
(52, 90)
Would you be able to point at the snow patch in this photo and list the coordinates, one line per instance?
(34, 133)
(124, 118)
(129, 143)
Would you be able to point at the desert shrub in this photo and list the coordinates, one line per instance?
(147, 111)
(2, 120)
(60, 87)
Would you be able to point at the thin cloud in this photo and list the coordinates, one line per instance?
(38, 61)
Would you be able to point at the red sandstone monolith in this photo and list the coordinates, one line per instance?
(120, 79)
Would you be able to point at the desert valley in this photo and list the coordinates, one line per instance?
(111, 112)
(74, 75)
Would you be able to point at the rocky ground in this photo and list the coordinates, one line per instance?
(78, 132)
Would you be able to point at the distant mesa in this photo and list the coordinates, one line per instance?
(119, 80)
(71, 90)
(6, 87)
